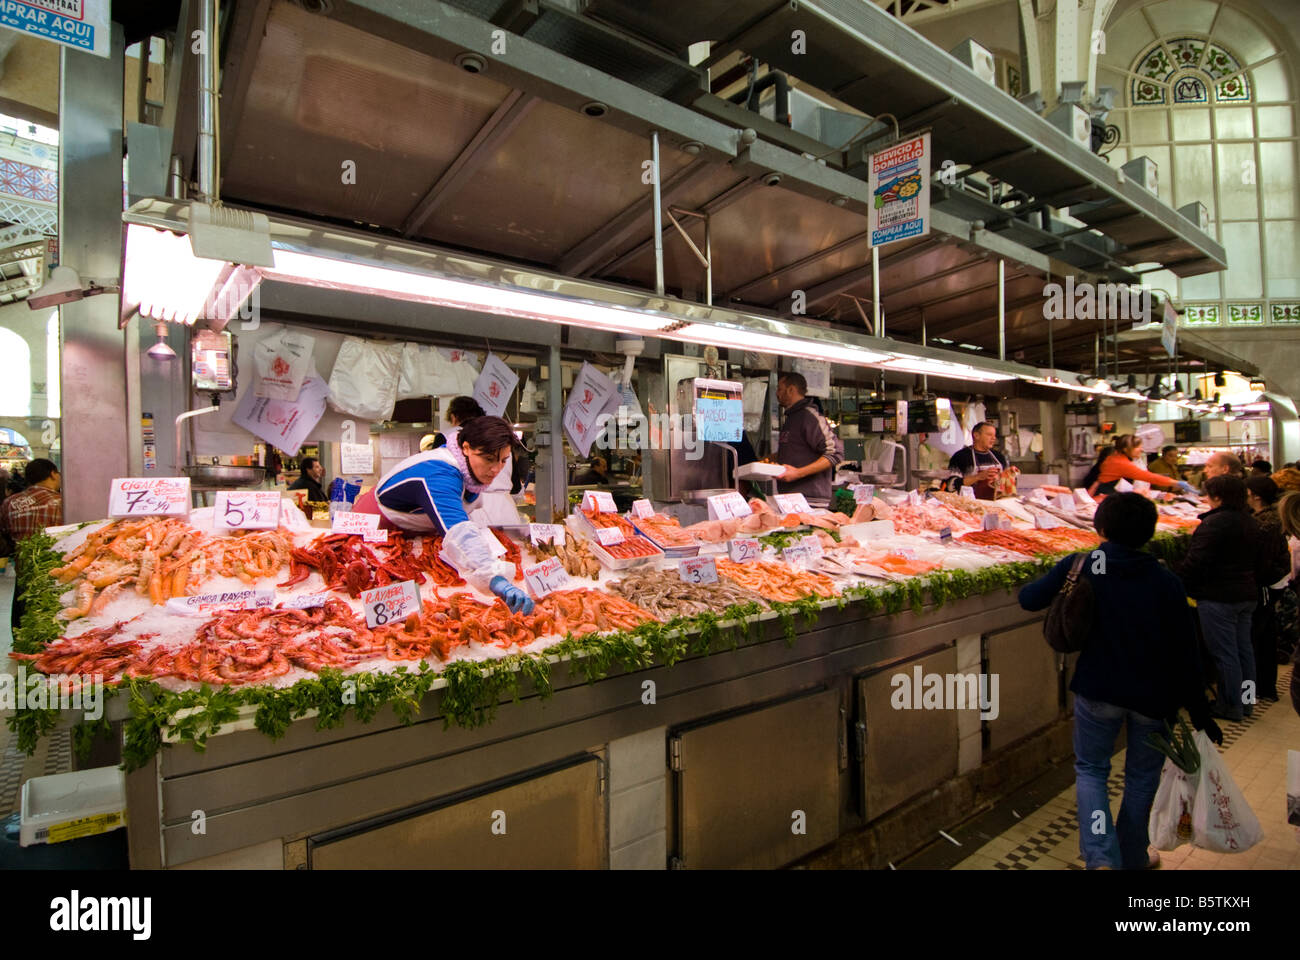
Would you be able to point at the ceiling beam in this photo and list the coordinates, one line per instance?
(809, 260)
(241, 53)
(851, 278)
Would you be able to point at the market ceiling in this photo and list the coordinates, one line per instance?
(506, 161)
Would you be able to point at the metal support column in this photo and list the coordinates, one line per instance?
(659, 216)
(708, 260)
(1002, 309)
(552, 467)
(96, 434)
(879, 329)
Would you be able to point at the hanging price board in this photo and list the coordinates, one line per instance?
(642, 509)
(149, 497)
(390, 604)
(728, 506)
(698, 570)
(599, 501)
(792, 503)
(546, 533)
(546, 577)
(252, 510)
(609, 536)
(745, 550)
(354, 523)
(863, 492)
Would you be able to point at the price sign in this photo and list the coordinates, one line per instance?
(745, 550)
(374, 536)
(1044, 521)
(390, 604)
(1142, 486)
(698, 570)
(356, 458)
(354, 523)
(307, 601)
(728, 506)
(599, 501)
(813, 544)
(609, 536)
(642, 509)
(1083, 496)
(149, 497)
(254, 510)
(914, 498)
(795, 553)
(1004, 523)
(206, 604)
(968, 492)
(1065, 501)
(792, 503)
(546, 577)
(546, 533)
(945, 533)
(863, 492)
(991, 521)
(1123, 486)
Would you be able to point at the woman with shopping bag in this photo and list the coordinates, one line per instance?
(1139, 665)
(434, 493)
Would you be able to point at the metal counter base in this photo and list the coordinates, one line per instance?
(753, 757)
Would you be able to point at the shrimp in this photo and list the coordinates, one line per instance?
(105, 598)
(147, 563)
(85, 594)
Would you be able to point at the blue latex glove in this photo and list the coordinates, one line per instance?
(1186, 487)
(515, 599)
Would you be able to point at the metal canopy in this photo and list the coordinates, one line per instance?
(870, 60)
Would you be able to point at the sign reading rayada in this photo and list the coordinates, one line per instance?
(899, 182)
(390, 603)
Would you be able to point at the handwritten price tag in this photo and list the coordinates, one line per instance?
(390, 604)
(253, 510)
(945, 533)
(374, 536)
(600, 501)
(354, 523)
(206, 604)
(149, 497)
(914, 498)
(698, 570)
(546, 533)
(863, 492)
(968, 492)
(792, 503)
(546, 577)
(609, 536)
(796, 553)
(728, 506)
(991, 521)
(745, 550)
(813, 544)
(307, 601)
(642, 509)
(356, 458)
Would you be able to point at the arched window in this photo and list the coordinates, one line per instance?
(1208, 96)
(15, 375)
(53, 398)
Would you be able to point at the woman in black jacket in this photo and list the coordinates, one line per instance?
(1224, 567)
(1289, 512)
(1140, 665)
(1261, 497)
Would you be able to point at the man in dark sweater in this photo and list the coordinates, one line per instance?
(808, 449)
(1139, 666)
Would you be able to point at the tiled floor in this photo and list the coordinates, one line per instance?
(1255, 751)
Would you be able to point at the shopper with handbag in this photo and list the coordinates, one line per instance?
(1137, 667)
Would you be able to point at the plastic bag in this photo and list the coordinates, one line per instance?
(1221, 818)
(466, 547)
(282, 362)
(364, 380)
(1170, 825)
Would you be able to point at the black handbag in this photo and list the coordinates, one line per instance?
(1069, 618)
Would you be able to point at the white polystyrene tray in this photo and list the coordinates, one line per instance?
(757, 469)
(64, 798)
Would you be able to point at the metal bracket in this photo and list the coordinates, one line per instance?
(675, 754)
(860, 740)
(843, 739)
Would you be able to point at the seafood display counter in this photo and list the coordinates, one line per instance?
(269, 714)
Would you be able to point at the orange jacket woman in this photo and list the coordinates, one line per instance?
(1120, 466)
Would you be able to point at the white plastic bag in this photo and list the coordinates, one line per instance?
(1170, 825)
(363, 383)
(419, 374)
(467, 547)
(1293, 787)
(1221, 818)
(282, 361)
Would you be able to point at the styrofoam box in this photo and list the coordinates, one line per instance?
(757, 469)
(66, 806)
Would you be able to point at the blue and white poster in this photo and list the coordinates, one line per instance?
(719, 420)
(80, 24)
(900, 191)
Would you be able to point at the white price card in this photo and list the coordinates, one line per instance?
(247, 510)
(813, 544)
(599, 501)
(390, 604)
(354, 523)
(308, 601)
(968, 492)
(374, 536)
(728, 506)
(945, 533)
(206, 604)
(1065, 501)
(1044, 521)
(863, 492)
(1141, 486)
(1004, 523)
(745, 550)
(356, 459)
(792, 503)
(1083, 496)
(546, 533)
(609, 536)
(149, 497)
(642, 509)
(795, 553)
(698, 570)
(1123, 486)
(991, 521)
(546, 577)
(914, 498)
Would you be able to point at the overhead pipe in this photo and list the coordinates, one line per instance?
(1002, 309)
(658, 216)
(750, 96)
(207, 145)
